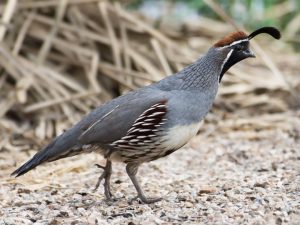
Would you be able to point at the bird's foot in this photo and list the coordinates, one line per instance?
(106, 176)
(145, 200)
(103, 175)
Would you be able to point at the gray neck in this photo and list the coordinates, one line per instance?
(203, 73)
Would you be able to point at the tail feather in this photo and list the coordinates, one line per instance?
(29, 165)
(53, 151)
(36, 160)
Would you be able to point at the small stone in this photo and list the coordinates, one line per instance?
(248, 190)
(81, 210)
(227, 187)
(206, 190)
(278, 221)
(189, 205)
(261, 184)
(274, 166)
(122, 204)
(23, 190)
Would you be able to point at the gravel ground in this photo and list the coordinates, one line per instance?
(239, 177)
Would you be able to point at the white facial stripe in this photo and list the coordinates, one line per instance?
(239, 41)
(234, 43)
(226, 59)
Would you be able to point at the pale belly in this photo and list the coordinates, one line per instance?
(178, 136)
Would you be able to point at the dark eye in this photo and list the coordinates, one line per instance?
(239, 47)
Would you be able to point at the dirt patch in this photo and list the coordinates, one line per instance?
(236, 177)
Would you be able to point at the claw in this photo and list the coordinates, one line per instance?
(131, 170)
(145, 200)
(99, 166)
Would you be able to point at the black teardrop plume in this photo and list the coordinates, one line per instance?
(275, 33)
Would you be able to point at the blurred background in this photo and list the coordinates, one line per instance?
(59, 59)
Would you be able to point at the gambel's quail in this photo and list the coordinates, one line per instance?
(153, 121)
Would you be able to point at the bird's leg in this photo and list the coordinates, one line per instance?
(107, 170)
(131, 169)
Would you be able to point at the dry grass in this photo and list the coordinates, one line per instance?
(60, 59)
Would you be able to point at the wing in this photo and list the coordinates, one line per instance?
(115, 124)
(145, 128)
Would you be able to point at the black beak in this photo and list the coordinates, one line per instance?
(249, 53)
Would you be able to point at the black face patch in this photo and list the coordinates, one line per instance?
(236, 54)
